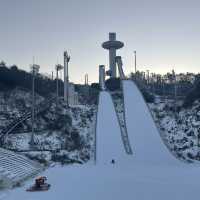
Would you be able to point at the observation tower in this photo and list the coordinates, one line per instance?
(112, 45)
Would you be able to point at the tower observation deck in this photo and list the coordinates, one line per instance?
(112, 45)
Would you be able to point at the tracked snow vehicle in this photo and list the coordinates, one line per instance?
(40, 185)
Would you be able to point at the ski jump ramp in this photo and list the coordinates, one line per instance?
(145, 140)
(148, 147)
(108, 135)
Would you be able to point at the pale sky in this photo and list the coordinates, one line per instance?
(165, 34)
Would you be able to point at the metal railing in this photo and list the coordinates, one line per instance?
(44, 105)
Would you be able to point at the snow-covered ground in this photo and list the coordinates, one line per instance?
(109, 143)
(151, 173)
(113, 182)
(181, 130)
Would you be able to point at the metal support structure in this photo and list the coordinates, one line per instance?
(66, 77)
(118, 60)
(35, 70)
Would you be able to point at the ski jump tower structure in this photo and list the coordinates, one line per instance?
(112, 45)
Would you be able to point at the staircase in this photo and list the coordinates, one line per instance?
(122, 122)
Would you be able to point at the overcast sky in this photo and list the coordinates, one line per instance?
(166, 34)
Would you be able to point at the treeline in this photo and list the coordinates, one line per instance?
(12, 77)
(194, 94)
(115, 84)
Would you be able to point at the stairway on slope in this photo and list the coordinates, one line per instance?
(118, 103)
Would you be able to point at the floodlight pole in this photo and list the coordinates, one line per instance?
(56, 85)
(175, 92)
(35, 70)
(135, 62)
(66, 77)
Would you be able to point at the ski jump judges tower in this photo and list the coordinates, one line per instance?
(112, 45)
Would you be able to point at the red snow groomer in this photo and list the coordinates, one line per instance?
(40, 185)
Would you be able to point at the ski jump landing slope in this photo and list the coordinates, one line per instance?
(144, 137)
(109, 144)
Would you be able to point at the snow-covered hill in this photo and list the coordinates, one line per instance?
(181, 130)
(69, 132)
(144, 175)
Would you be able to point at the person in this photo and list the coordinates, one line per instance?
(39, 181)
(113, 161)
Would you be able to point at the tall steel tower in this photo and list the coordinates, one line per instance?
(66, 77)
(112, 45)
(34, 69)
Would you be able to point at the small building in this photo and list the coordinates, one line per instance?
(73, 95)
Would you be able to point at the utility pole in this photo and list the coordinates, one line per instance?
(175, 91)
(148, 79)
(66, 77)
(163, 87)
(135, 62)
(86, 79)
(35, 70)
(52, 75)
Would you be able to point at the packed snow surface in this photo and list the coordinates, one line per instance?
(144, 137)
(151, 173)
(109, 143)
(114, 182)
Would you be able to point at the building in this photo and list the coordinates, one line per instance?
(73, 95)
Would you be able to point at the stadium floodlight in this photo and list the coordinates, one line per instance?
(34, 70)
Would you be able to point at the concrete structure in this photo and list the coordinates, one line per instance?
(102, 77)
(72, 95)
(112, 45)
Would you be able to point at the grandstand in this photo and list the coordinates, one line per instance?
(15, 168)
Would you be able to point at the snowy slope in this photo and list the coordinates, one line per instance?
(142, 177)
(146, 142)
(109, 143)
